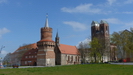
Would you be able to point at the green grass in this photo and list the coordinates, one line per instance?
(88, 69)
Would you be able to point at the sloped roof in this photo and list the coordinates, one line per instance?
(103, 22)
(68, 49)
(30, 46)
(94, 23)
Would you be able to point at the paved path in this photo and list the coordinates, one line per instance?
(122, 63)
(24, 67)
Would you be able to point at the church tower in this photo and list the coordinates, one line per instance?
(105, 37)
(46, 54)
(94, 29)
(101, 32)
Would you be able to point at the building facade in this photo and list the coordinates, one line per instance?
(46, 52)
(52, 53)
(30, 58)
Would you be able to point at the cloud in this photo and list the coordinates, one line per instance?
(83, 8)
(128, 12)
(3, 31)
(3, 52)
(85, 42)
(128, 2)
(110, 2)
(113, 20)
(129, 24)
(3, 1)
(76, 25)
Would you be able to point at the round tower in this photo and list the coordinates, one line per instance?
(46, 54)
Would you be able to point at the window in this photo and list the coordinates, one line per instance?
(25, 62)
(106, 28)
(68, 58)
(71, 58)
(76, 58)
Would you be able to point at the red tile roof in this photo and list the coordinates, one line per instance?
(68, 49)
(30, 46)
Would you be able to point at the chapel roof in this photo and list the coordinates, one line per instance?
(68, 49)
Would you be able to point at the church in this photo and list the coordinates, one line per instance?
(49, 52)
(101, 32)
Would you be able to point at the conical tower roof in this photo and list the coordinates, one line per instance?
(46, 22)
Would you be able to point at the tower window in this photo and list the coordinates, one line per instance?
(106, 28)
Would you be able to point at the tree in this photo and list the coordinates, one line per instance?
(83, 49)
(95, 51)
(124, 42)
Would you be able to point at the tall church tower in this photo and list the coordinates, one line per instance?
(46, 54)
(105, 38)
(101, 32)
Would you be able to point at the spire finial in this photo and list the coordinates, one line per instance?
(57, 34)
(46, 15)
(46, 22)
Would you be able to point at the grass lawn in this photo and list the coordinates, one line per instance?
(88, 69)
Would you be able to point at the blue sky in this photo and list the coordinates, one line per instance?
(21, 20)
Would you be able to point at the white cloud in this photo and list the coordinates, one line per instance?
(3, 31)
(128, 1)
(84, 42)
(83, 8)
(113, 20)
(110, 2)
(128, 12)
(3, 1)
(76, 25)
(3, 52)
(129, 24)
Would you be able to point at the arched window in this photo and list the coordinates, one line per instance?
(75, 58)
(68, 58)
(71, 58)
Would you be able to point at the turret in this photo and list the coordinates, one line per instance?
(57, 39)
(46, 31)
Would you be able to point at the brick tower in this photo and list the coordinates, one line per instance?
(101, 32)
(95, 29)
(46, 54)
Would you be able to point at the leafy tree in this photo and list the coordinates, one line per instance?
(124, 42)
(95, 51)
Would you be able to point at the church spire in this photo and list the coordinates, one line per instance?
(46, 22)
(57, 39)
(57, 34)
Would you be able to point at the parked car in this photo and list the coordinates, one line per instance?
(15, 66)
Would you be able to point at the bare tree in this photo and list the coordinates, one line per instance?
(83, 49)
